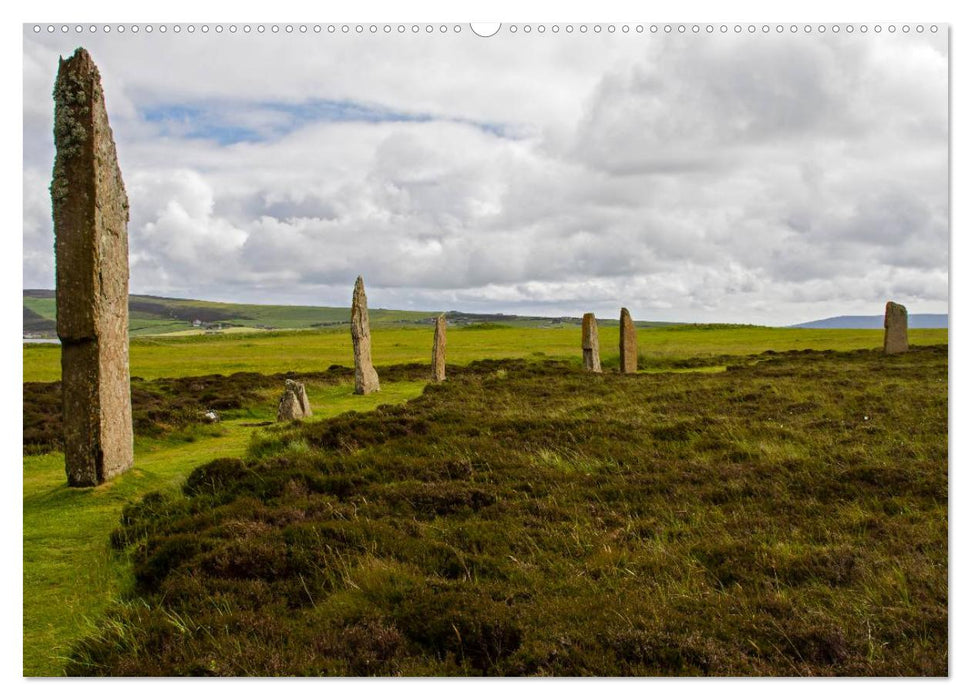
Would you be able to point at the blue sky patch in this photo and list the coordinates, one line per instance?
(228, 122)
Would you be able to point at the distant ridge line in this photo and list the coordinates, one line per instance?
(871, 322)
(283, 316)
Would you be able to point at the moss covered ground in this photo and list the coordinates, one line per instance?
(737, 507)
(786, 516)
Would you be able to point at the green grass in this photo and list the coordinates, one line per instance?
(787, 516)
(311, 351)
(70, 573)
(45, 307)
(154, 326)
(71, 576)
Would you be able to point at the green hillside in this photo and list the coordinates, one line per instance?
(151, 315)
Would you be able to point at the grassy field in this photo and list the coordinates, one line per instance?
(866, 557)
(785, 517)
(70, 573)
(312, 351)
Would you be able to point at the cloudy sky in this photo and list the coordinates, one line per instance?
(766, 178)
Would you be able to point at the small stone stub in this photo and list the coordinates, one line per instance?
(289, 408)
(300, 392)
(590, 342)
(895, 329)
(438, 350)
(90, 213)
(628, 343)
(365, 376)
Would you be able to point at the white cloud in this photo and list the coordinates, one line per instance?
(177, 236)
(38, 231)
(763, 179)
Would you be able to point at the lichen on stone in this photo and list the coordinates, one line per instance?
(71, 110)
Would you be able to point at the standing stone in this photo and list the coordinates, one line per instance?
(294, 403)
(301, 392)
(90, 211)
(895, 329)
(628, 343)
(365, 377)
(438, 350)
(289, 408)
(591, 344)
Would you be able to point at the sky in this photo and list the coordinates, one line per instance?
(756, 178)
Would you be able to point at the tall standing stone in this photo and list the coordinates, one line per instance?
(365, 377)
(90, 211)
(895, 329)
(628, 343)
(591, 344)
(438, 350)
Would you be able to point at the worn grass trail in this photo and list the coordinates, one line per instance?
(70, 573)
(312, 351)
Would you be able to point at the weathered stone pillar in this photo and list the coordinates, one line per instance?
(628, 343)
(438, 350)
(90, 211)
(590, 342)
(895, 329)
(365, 377)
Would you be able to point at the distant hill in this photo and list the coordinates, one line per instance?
(152, 315)
(36, 324)
(866, 322)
